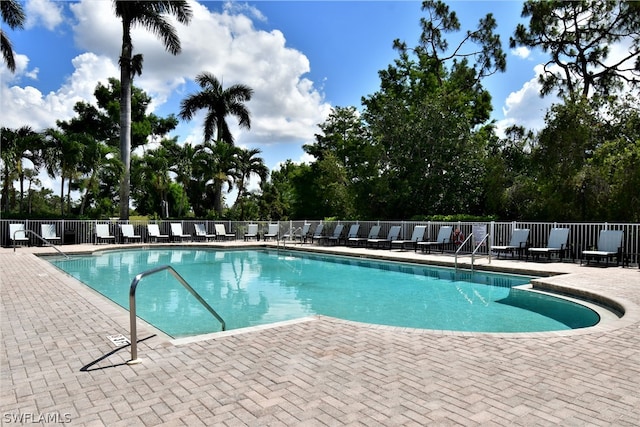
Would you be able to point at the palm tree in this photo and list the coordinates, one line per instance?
(249, 164)
(151, 15)
(29, 147)
(181, 162)
(62, 154)
(220, 160)
(153, 181)
(9, 157)
(13, 14)
(31, 176)
(95, 156)
(17, 146)
(219, 103)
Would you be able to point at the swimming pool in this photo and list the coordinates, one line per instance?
(257, 287)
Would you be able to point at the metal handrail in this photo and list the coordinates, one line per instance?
(460, 247)
(473, 253)
(132, 305)
(478, 247)
(45, 241)
(293, 235)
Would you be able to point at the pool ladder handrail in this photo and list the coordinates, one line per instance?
(45, 241)
(292, 236)
(473, 253)
(486, 236)
(132, 305)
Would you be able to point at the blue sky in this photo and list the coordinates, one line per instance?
(300, 57)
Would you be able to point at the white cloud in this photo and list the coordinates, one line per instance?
(235, 7)
(32, 74)
(525, 107)
(286, 107)
(44, 12)
(22, 62)
(90, 16)
(521, 52)
(28, 106)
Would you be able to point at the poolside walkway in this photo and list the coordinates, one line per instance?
(57, 364)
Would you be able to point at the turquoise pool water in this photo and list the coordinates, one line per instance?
(257, 287)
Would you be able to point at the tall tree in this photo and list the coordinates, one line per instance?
(579, 35)
(13, 15)
(345, 143)
(98, 133)
(62, 155)
(151, 15)
(152, 181)
(428, 109)
(283, 198)
(573, 131)
(508, 183)
(29, 147)
(9, 157)
(17, 146)
(181, 163)
(218, 162)
(292, 193)
(249, 163)
(95, 158)
(32, 178)
(219, 104)
(482, 45)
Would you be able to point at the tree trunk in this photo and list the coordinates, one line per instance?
(125, 121)
(62, 195)
(217, 198)
(29, 196)
(240, 190)
(21, 208)
(5, 191)
(69, 196)
(83, 201)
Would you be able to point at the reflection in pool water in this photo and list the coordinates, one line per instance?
(256, 287)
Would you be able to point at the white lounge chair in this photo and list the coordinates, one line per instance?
(103, 234)
(128, 233)
(443, 239)
(154, 233)
(394, 232)
(201, 233)
(517, 244)
(252, 232)
(416, 236)
(557, 244)
(17, 234)
(49, 233)
(176, 232)
(221, 233)
(609, 246)
(273, 232)
(374, 232)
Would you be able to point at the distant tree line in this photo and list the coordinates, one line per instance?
(421, 145)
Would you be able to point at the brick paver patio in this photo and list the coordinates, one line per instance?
(58, 365)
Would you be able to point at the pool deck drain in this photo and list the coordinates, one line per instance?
(56, 363)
